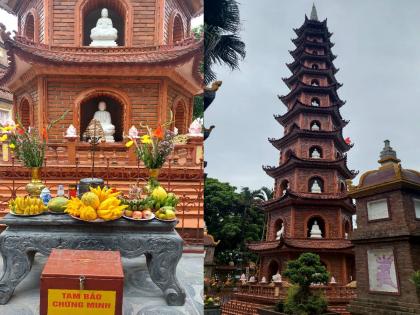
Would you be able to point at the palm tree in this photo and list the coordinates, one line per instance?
(265, 194)
(221, 42)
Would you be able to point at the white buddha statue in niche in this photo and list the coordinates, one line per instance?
(104, 34)
(104, 117)
(316, 188)
(315, 231)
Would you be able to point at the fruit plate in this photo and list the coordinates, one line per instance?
(94, 221)
(172, 220)
(25, 215)
(131, 219)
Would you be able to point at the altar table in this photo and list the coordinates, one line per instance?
(25, 236)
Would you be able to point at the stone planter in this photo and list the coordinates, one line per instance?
(214, 310)
(271, 311)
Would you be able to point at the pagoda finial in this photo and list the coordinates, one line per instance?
(388, 154)
(314, 14)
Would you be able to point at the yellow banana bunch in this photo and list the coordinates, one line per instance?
(109, 203)
(111, 213)
(27, 205)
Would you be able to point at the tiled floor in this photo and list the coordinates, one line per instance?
(141, 295)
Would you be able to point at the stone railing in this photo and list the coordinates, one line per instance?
(188, 155)
(260, 292)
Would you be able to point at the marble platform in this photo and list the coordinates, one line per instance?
(141, 295)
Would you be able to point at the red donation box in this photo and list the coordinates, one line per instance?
(80, 282)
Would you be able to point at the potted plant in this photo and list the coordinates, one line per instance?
(29, 147)
(154, 147)
(301, 300)
(415, 279)
(211, 305)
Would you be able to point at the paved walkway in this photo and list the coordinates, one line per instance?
(141, 295)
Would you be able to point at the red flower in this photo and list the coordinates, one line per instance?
(158, 133)
(20, 131)
(44, 134)
(347, 140)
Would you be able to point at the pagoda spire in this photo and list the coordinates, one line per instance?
(314, 14)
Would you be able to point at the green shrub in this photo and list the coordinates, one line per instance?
(302, 272)
(415, 278)
(279, 307)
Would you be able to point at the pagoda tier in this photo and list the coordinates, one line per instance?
(302, 87)
(295, 77)
(294, 162)
(293, 66)
(297, 133)
(299, 108)
(311, 210)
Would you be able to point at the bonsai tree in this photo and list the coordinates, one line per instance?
(302, 273)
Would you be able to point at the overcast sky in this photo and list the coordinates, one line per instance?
(378, 47)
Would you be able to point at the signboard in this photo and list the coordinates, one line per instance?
(81, 302)
(377, 209)
(382, 272)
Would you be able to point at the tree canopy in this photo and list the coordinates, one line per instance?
(233, 217)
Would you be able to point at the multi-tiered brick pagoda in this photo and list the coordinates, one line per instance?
(311, 211)
(147, 66)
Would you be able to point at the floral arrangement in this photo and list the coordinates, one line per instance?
(210, 301)
(156, 145)
(28, 145)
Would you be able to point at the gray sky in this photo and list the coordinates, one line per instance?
(378, 47)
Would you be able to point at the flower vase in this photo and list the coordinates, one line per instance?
(35, 186)
(154, 173)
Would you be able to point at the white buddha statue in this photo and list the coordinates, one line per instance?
(196, 128)
(104, 34)
(315, 154)
(133, 133)
(71, 132)
(263, 280)
(252, 279)
(333, 281)
(315, 231)
(280, 232)
(315, 187)
(315, 127)
(243, 278)
(104, 117)
(277, 278)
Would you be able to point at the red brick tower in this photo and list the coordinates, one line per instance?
(310, 186)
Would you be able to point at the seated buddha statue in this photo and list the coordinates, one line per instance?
(104, 117)
(104, 34)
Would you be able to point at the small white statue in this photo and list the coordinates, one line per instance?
(104, 34)
(332, 281)
(196, 128)
(243, 278)
(315, 187)
(280, 232)
(263, 280)
(71, 132)
(252, 279)
(346, 235)
(104, 117)
(315, 154)
(133, 133)
(315, 103)
(277, 278)
(315, 231)
(175, 131)
(315, 127)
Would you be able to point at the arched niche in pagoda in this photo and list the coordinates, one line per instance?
(278, 225)
(316, 185)
(313, 221)
(117, 104)
(25, 111)
(346, 228)
(315, 152)
(89, 11)
(176, 28)
(31, 26)
(179, 110)
(273, 268)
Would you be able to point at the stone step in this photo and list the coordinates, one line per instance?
(384, 307)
